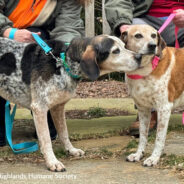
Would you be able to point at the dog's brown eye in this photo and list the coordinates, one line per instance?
(153, 35)
(117, 51)
(138, 36)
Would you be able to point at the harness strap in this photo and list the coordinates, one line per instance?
(25, 147)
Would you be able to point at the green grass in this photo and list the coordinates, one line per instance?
(173, 160)
(106, 103)
(132, 144)
(96, 112)
(23, 114)
(175, 123)
(106, 152)
(125, 104)
(60, 152)
(101, 127)
(106, 126)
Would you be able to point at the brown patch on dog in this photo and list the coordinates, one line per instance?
(176, 83)
(88, 63)
(89, 53)
(161, 45)
(163, 63)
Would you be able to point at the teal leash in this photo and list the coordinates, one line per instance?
(25, 147)
(60, 60)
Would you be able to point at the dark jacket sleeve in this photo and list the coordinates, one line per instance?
(4, 21)
(68, 23)
(118, 12)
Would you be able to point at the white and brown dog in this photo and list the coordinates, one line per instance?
(36, 81)
(161, 88)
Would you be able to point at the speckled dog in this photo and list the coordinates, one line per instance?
(34, 80)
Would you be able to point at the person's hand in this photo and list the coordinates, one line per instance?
(21, 35)
(179, 18)
(124, 27)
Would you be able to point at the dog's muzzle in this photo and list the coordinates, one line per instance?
(138, 58)
(151, 47)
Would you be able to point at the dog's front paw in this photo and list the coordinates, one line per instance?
(151, 161)
(76, 152)
(134, 157)
(55, 166)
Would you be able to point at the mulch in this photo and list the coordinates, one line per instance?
(101, 89)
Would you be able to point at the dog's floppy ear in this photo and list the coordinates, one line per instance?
(124, 36)
(89, 64)
(161, 44)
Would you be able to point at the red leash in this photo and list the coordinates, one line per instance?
(156, 58)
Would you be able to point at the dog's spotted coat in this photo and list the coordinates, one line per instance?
(33, 80)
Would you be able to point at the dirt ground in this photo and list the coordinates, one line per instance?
(112, 171)
(98, 170)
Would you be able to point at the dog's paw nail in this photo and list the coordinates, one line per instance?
(63, 170)
(56, 166)
(76, 152)
(127, 160)
(135, 157)
(151, 161)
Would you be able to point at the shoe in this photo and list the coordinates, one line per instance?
(134, 128)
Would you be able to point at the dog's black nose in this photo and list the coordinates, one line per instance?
(138, 58)
(152, 46)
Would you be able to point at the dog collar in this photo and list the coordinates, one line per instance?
(154, 65)
(66, 67)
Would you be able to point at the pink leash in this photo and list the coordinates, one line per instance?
(156, 58)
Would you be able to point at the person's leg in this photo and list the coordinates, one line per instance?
(138, 21)
(2, 122)
(45, 36)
